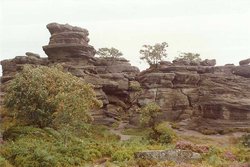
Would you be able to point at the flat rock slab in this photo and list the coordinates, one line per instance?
(175, 155)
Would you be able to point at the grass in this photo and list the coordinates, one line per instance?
(234, 152)
(31, 146)
(88, 145)
(136, 131)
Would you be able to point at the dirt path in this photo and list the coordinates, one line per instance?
(118, 131)
(199, 138)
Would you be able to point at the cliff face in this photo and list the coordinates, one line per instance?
(208, 96)
(204, 94)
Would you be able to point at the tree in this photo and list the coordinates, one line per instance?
(109, 53)
(44, 96)
(192, 57)
(154, 54)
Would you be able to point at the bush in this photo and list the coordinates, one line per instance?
(163, 133)
(49, 148)
(46, 150)
(4, 162)
(192, 57)
(134, 86)
(122, 155)
(160, 132)
(149, 114)
(15, 132)
(42, 96)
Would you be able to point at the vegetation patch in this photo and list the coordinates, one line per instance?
(47, 123)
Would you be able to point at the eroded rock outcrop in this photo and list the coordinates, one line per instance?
(11, 66)
(208, 95)
(245, 62)
(68, 46)
(68, 42)
(217, 95)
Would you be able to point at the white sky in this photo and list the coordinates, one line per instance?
(217, 29)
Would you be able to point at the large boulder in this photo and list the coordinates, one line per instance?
(181, 62)
(174, 155)
(245, 62)
(208, 62)
(243, 71)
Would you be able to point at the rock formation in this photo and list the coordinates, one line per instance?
(244, 62)
(69, 47)
(205, 94)
(67, 42)
(217, 97)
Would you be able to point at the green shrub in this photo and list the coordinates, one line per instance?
(213, 157)
(122, 155)
(29, 152)
(149, 114)
(163, 133)
(42, 96)
(37, 147)
(134, 86)
(4, 162)
(15, 132)
(48, 151)
(215, 161)
(160, 132)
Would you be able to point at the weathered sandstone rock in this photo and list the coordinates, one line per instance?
(208, 62)
(243, 71)
(68, 42)
(245, 62)
(175, 155)
(30, 54)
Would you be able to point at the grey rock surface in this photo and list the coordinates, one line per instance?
(175, 155)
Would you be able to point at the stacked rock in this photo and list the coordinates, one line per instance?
(67, 42)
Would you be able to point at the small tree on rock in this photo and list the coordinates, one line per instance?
(192, 57)
(154, 54)
(109, 53)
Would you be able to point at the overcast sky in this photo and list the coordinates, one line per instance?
(217, 29)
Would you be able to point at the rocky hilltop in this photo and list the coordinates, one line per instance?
(199, 96)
